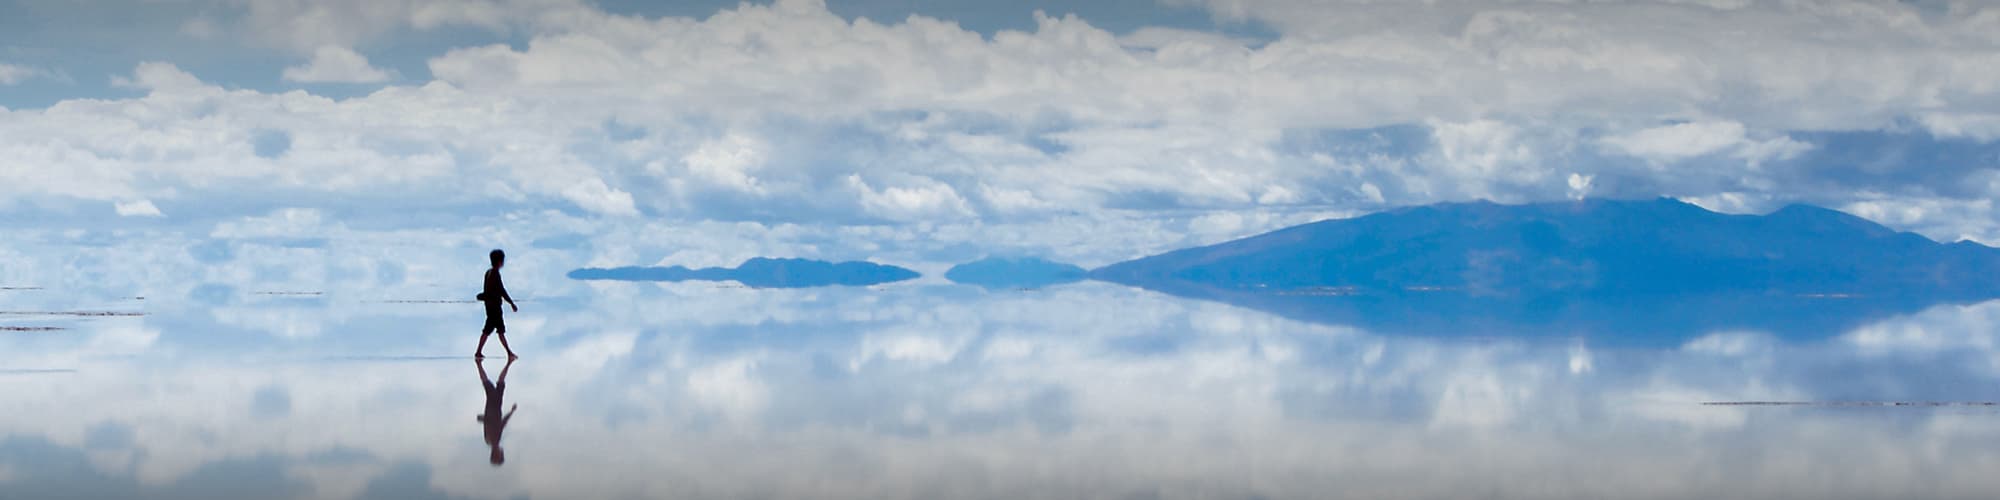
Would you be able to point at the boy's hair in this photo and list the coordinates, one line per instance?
(496, 256)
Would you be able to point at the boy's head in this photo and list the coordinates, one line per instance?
(498, 257)
(497, 457)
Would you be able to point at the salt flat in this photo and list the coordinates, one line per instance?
(933, 391)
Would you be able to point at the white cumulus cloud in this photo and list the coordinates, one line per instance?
(594, 195)
(331, 64)
(1687, 140)
(137, 208)
(922, 199)
(11, 74)
(728, 162)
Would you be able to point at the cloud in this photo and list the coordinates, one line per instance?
(595, 196)
(1944, 219)
(728, 162)
(307, 25)
(137, 208)
(1579, 185)
(1781, 65)
(1681, 141)
(922, 199)
(731, 387)
(789, 113)
(1982, 126)
(189, 134)
(160, 76)
(281, 223)
(332, 64)
(11, 74)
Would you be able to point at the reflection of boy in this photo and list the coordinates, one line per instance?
(494, 421)
(492, 295)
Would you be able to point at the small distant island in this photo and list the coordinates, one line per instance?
(1014, 273)
(762, 272)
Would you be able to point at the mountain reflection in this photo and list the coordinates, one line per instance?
(1625, 320)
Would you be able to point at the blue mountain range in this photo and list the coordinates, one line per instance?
(1629, 272)
(1593, 247)
(761, 272)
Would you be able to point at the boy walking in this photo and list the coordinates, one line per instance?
(493, 294)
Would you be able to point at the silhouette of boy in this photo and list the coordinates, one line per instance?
(494, 293)
(492, 420)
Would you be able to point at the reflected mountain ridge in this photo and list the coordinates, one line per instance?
(1001, 273)
(762, 272)
(1621, 320)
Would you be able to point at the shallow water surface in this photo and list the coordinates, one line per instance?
(927, 391)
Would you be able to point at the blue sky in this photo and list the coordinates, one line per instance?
(936, 131)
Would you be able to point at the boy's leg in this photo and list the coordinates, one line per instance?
(503, 344)
(480, 352)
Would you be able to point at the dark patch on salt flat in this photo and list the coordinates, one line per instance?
(33, 371)
(87, 314)
(396, 358)
(31, 328)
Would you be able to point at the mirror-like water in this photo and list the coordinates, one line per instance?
(1080, 391)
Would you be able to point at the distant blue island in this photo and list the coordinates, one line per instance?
(1014, 273)
(761, 272)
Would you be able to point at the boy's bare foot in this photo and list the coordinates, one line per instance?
(512, 356)
(478, 356)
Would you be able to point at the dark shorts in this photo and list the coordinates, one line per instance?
(493, 323)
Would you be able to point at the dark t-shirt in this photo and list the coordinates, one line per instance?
(495, 292)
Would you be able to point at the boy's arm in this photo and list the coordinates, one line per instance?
(508, 298)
